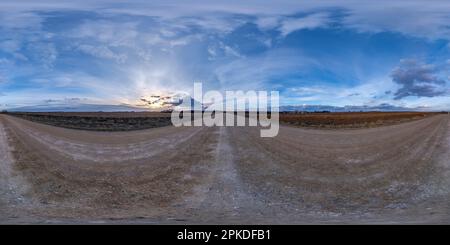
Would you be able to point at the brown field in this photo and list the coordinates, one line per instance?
(398, 173)
(125, 121)
(350, 119)
(98, 114)
(100, 121)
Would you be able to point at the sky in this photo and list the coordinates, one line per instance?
(337, 53)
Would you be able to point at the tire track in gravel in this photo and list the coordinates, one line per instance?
(101, 149)
(118, 186)
(12, 185)
(224, 194)
(231, 175)
(333, 173)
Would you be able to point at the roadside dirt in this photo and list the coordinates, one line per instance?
(389, 174)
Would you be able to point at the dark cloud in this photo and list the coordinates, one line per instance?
(417, 79)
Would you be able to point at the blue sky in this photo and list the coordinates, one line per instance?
(338, 53)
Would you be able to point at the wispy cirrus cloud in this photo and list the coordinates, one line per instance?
(124, 50)
(367, 16)
(102, 52)
(312, 21)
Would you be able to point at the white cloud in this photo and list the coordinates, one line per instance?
(13, 47)
(229, 51)
(245, 73)
(309, 90)
(20, 20)
(212, 53)
(114, 33)
(415, 17)
(102, 52)
(182, 41)
(268, 22)
(311, 21)
(43, 52)
(10, 46)
(220, 49)
(371, 92)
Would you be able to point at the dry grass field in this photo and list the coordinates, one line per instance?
(350, 119)
(125, 121)
(98, 114)
(100, 121)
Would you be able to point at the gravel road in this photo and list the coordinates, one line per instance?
(389, 174)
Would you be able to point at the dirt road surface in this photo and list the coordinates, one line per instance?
(389, 174)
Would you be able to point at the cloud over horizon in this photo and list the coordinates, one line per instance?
(418, 80)
(323, 52)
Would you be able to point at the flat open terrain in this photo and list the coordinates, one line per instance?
(100, 121)
(126, 121)
(350, 119)
(389, 174)
(99, 114)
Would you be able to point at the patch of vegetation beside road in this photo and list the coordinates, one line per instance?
(349, 119)
(99, 121)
